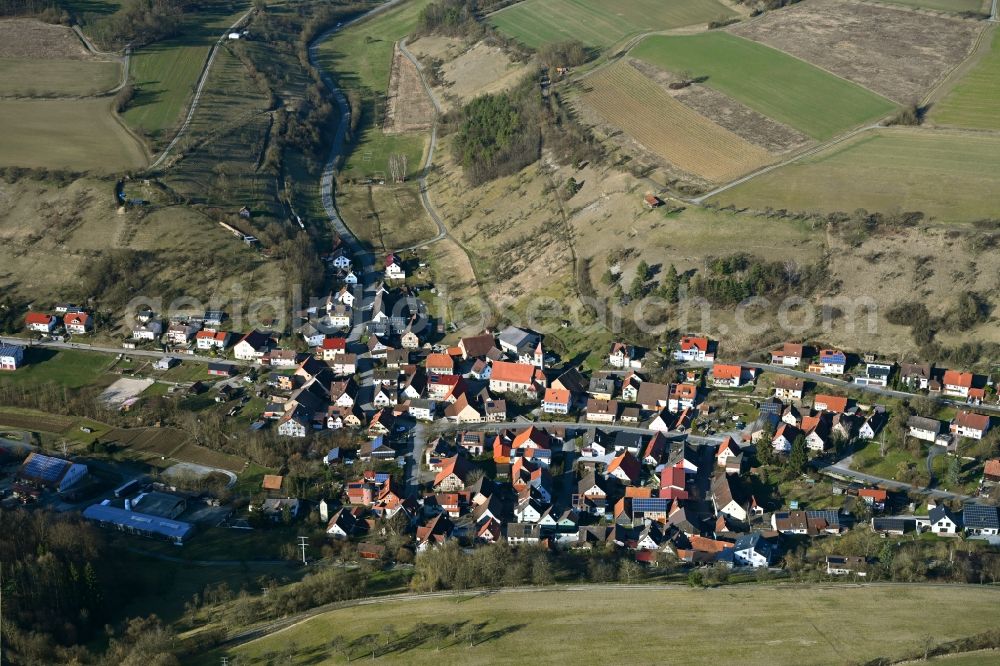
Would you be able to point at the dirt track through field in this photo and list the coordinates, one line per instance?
(408, 108)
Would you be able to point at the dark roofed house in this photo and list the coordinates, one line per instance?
(981, 520)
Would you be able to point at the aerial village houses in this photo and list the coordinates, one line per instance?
(40, 322)
(971, 425)
(790, 355)
(832, 362)
(11, 356)
(957, 384)
(730, 376)
(510, 377)
(788, 388)
(252, 347)
(691, 348)
(78, 323)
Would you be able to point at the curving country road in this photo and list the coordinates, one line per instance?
(123, 59)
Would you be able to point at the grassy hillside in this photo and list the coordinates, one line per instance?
(975, 101)
(948, 175)
(777, 626)
(599, 23)
(30, 77)
(769, 81)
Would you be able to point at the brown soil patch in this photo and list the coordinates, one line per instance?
(408, 108)
(736, 117)
(28, 38)
(897, 53)
(467, 71)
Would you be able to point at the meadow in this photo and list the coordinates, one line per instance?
(975, 101)
(165, 74)
(76, 134)
(72, 369)
(20, 77)
(359, 58)
(805, 625)
(948, 175)
(627, 99)
(775, 84)
(598, 23)
(385, 218)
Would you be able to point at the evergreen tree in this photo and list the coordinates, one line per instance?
(799, 457)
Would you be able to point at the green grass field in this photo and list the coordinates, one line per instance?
(775, 84)
(948, 175)
(975, 101)
(22, 77)
(599, 23)
(165, 73)
(79, 134)
(804, 625)
(952, 6)
(360, 56)
(67, 368)
(360, 59)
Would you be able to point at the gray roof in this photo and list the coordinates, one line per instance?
(921, 423)
(140, 522)
(939, 513)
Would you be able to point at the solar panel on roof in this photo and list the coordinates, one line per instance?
(45, 468)
(650, 504)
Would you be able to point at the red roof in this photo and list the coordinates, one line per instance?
(37, 318)
(439, 361)
(834, 403)
(532, 437)
(972, 420)
(515, 373)
(627, 463)
(956, 378)
(80, 318)
(688, 342)
(557, 396)
(672, 477)
(992, 468)
(335, 343)
(721, 371)
(272, 482)
(877, 494)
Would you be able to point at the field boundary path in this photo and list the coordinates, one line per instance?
(123, 59)
(202, 78)
(777, 165)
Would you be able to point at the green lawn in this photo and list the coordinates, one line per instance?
(72, 369)
(600, 23)
(361, 56)
(975, 101)
(951, 176)
(786, 89)
(165, 74)
(804, 626)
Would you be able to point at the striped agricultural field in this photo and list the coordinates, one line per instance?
(600, 23)
(626, 98)
(975, 101)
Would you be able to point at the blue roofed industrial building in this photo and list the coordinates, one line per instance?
(142, 524)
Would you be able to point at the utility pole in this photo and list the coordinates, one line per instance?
(303, 542)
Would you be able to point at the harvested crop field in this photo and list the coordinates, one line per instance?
(897, 53)
(78, 134)
(735, 116)
(36, 421)
(152, 441)
(469, 71)
(950, 6)
(773, 83)
(951, 176)
(408, 108)
(626, 98)
(20, 77)
(28, 38)
(975, 101)
(600, 23)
